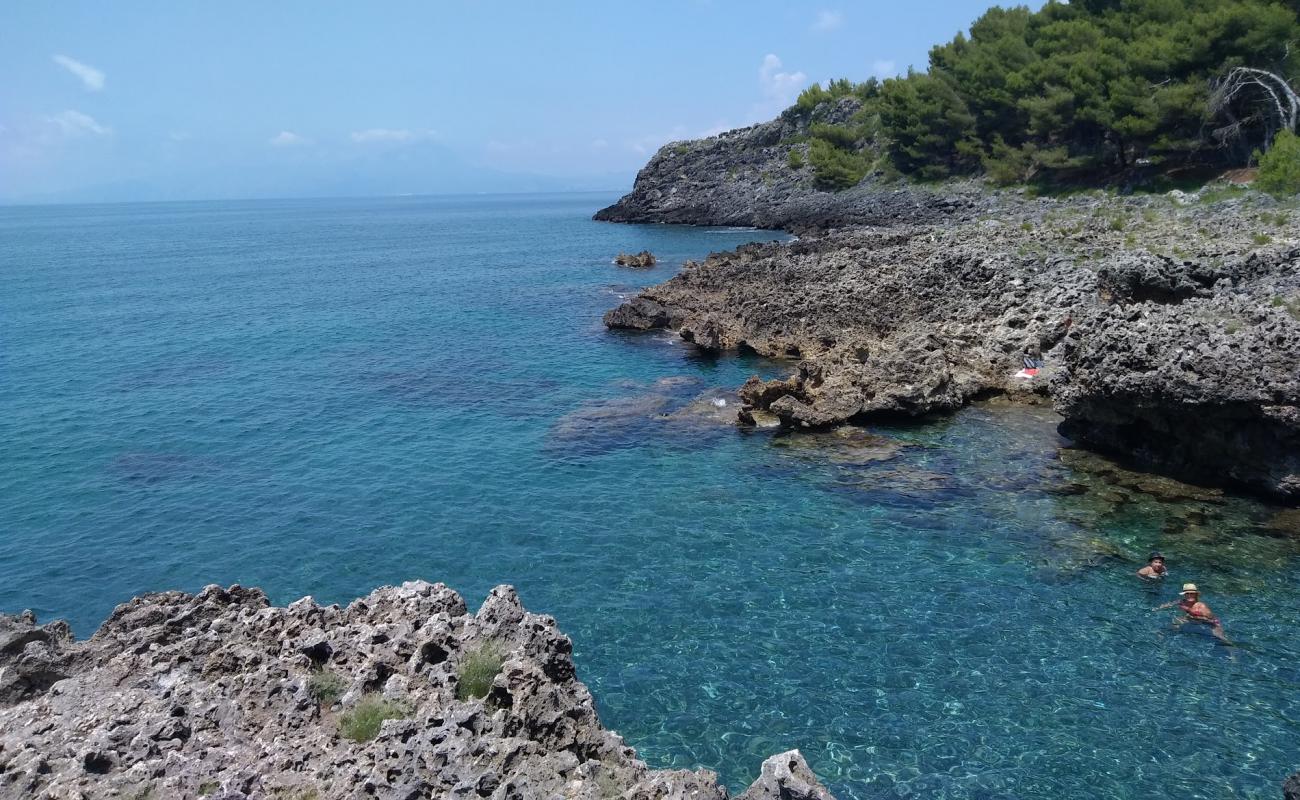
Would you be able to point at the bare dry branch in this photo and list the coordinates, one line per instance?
(1277, 94)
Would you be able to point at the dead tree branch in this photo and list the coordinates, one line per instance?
(1271, 89)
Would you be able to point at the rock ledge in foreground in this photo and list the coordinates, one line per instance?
(181, 695)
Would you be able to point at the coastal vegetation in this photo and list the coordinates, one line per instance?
(361, 723)
(1279, 168)
(326, 686)
(478, 670)
(1092, 92)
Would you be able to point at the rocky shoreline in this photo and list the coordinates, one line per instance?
(220, 694)
(1168, 327)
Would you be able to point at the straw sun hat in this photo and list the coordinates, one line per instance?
(1190, 588)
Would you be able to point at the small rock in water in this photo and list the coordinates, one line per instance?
(642, 259)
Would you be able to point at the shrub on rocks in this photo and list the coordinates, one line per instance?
(326, 686)
(361, 723)
(478, 670)
(1279, 168)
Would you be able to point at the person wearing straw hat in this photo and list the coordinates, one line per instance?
(1195, 610)
(1155, 568)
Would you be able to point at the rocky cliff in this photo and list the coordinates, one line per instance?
(1169, 329)
(744, 177)
(222, 695)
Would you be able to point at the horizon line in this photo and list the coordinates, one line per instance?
(290, 198)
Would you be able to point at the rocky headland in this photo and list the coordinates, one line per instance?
(401, 694)
(744, 177)
(1167, 326)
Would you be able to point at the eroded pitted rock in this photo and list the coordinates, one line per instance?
(639, 314)
(1207, 390)
(639, 260)
(32, 658)
(1171, 338)
(786, 776)
(220, 694)
(745, 177)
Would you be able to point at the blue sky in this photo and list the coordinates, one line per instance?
(134, 100)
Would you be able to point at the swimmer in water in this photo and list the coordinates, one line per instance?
(1195, 610)
(1155, 568)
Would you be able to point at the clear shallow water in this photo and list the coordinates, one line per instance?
(320, 397)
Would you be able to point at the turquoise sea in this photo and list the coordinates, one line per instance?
(319, 397)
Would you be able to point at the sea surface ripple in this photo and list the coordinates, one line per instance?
(318, 397)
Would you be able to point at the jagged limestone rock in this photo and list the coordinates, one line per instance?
(219, 694)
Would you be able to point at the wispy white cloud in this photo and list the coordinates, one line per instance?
(778, 87)
(827, 21)
(287, 139)
(74, 123)
(599, 144)
(91, 78)
(390, 135)
(884, 68)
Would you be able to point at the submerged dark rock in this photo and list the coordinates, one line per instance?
(1291, 788)
(218, 694)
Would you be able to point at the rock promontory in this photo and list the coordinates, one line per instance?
(745, 177)
(401, 694)
(1165, 329)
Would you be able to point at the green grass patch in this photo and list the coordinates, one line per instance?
(361, 723)
(478, 669)
(208, 787)
(1262, 239)
(326, 686)
(1292, 307)
(1218, 194)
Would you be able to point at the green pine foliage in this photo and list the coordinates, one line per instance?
(1081, 91)
(815, 95)
(836, 168)
(1279, 168)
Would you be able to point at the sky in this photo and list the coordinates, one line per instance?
(187, 100)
